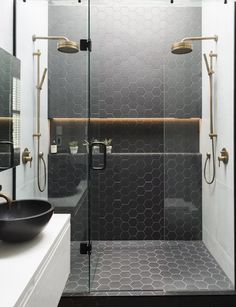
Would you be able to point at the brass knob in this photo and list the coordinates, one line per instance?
(26, 157)
(224, 156)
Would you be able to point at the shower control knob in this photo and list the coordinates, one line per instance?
(224, 156)
(26, 157)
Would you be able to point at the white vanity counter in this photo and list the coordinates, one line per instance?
(34, 273)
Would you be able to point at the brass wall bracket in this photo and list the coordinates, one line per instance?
(212, 135)
(224, 156)
(26, 157)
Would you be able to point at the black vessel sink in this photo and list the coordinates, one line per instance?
(24, 219)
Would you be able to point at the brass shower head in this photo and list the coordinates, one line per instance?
(64, 44)
(182, 47)
(185, 45)
(67, 46)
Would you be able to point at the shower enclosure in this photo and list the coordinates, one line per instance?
(143, 218)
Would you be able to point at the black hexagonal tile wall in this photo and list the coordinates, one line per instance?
(128, 198)
(65, 171)
(131, 202)
(183, 197)
(133, 73)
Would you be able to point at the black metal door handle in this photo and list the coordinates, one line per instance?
(104, 152)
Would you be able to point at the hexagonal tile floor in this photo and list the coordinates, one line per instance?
(141, 266)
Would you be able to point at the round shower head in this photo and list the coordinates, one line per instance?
(68, 46)
(182, 47)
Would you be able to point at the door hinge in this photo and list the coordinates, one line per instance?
(86, 44)
(85, 248)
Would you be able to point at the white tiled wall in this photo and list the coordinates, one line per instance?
(218, 198)
(32, 17)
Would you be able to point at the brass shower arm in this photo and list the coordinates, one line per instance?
(64, 44)
(34, 37)
(200, 38)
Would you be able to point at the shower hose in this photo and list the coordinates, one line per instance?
(41, 158)
(208, 158)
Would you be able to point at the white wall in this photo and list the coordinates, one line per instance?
(218, 198)
(6, 19)
(32, 18)
(6, 25)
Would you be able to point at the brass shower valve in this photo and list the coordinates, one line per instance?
(26, 157)
(224, 156)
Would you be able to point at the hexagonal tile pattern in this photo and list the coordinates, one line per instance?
(183, 197)
(144, 80)
(127, 198)
(181, 137)
(65, 171)
(149, 137)
(131, 137)
(146, 266)
(130, 201)
(78, 280)
(138, 196)
(67, 74)
(133, 73)
(128, 137)
(5, 83)
(10, 69)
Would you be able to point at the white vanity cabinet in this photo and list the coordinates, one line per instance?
(33, 274)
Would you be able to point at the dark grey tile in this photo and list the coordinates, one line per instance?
(136, 276)
(122, 206)
(183, 202)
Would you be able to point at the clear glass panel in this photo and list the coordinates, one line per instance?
(149, 203)
(127, 103)
(69, 113)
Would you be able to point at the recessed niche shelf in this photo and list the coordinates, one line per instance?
(83, 154)
(127, 120)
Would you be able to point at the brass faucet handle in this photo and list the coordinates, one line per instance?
(26, 157)
(224, 156)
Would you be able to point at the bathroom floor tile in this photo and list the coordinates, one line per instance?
(145, 267)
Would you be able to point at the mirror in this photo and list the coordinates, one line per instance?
(9, 110)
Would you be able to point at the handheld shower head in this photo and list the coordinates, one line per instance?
(43, 78)
(64, 44)
(207, 64)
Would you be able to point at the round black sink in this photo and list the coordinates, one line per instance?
(24, 219)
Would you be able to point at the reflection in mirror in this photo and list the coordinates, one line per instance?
(9, 110)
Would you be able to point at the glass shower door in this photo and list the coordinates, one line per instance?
(69, 117)
(126, 109)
